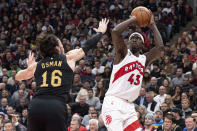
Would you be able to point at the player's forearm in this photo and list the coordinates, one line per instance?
(21, 75)
(123, 25)
(157, 35)
(26, 73)
(92, 42)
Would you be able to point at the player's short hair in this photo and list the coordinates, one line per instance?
(46, 44)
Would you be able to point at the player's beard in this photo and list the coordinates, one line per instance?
(134, 50)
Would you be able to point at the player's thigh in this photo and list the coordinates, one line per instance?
(131, 123)
(113, 120)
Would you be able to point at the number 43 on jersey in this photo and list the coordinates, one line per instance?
(134, 79)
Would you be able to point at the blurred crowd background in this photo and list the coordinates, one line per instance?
(167, 98)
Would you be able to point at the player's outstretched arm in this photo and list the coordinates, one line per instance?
(118, 42)
(77, 54)
(154, 53)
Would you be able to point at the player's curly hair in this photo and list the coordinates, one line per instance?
(46, 44)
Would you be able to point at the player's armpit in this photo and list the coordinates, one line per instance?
(75, 54)
(153, 54)
(26, 73)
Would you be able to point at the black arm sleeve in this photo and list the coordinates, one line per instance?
(91, 43)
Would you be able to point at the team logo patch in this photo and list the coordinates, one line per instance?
(108, 119)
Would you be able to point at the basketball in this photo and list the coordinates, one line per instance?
(143, 15)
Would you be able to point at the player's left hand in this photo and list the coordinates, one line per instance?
(31, 59)
(102, 26)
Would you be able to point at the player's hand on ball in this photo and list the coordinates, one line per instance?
(31, 59)
(102, 26)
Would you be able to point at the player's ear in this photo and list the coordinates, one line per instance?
(58, 48)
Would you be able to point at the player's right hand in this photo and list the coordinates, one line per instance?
(31, 59)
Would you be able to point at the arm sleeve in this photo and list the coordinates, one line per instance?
(91, 43)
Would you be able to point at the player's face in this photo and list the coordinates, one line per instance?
(135, 44)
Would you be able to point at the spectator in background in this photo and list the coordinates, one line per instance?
(193, 55)
(93, 125)
(141, 100)
(153, 85)
(177, 96)
(169, 124)
(151, 105)
(76, 86)
(168, 66)
(75, 125)
(87, 117)
(83, 91)
(178, 80)
(161, 96)
(163, 76)
(98, 69)
(156, 70)
(93, 101)
(165, 108)
(100, 91)
(88, 76)
(176, 57)
(186, 84)
(186, 65)
(166, 84)
(190, 123)
(177, 113)
(80, 107)
(158, 117)
(109, 61)
(148, 125)
(24, 117)
(186, 108)
(4, 105)
(8, 126)
(192, 99)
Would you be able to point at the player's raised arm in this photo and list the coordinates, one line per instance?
(154, 53)
(118, 42)
(77, 54)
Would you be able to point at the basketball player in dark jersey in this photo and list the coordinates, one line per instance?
(54, 76)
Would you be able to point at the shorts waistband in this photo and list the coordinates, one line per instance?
(119, 98)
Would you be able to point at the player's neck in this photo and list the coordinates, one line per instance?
(136, 54)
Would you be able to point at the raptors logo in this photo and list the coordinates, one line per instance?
(108, 119)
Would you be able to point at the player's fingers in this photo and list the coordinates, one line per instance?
(107, 21)
(29, 55)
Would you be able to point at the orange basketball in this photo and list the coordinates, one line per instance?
(143, 15)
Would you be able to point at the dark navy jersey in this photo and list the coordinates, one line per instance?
(53, 77)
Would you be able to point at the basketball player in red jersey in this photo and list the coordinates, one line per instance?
(118, 110)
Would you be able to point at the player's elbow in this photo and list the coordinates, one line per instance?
(160, 47)
(17, 77)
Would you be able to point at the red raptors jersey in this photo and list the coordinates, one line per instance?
(126, 77)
